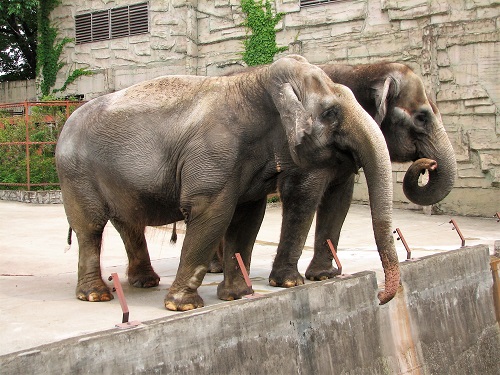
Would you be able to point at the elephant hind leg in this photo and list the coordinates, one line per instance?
(90, 286)
(87, 217)
(140, 271)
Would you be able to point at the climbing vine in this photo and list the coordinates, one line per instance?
(260, 45)
(49, 51)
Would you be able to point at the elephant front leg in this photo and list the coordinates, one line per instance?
(90, 286)
(240, 237)
(330, 217)
(207, 222)
(299, 201)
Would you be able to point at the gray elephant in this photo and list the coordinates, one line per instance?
(411, 124)
(208, 150)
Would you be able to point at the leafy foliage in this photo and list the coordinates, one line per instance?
(260, 46)
(44, 125)
(18, 38)
(50, 49)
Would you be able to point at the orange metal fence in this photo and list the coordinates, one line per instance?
(13, 111)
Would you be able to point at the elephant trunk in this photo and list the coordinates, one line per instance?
(375, 160)
(440, 163)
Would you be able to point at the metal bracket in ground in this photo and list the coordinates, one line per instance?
(243, 270)
(400, 237)
(455, 227)
(125, 324)
(335, 256)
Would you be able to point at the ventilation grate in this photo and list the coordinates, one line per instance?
(112, 23)
(310, 3)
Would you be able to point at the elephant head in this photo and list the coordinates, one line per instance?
(411, 123)
(324, 125)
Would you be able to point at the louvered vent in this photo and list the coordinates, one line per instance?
(112, 23)
(310, 3)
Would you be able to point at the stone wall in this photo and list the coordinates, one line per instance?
(453, 45)
(330, 327)
(38, 197)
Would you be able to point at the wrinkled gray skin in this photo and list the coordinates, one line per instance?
(207, 150)
(411, 124)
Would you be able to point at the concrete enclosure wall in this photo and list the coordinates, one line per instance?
(18, 91)
(442, 321)
(453, 45)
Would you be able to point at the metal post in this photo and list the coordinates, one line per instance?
(408, 250)
(123, 303)
(27, 146)
(334, 253)
(455, 227)
(244, 272)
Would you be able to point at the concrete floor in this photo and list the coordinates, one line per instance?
(38, 273)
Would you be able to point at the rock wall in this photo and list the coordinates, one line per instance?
(453, 45)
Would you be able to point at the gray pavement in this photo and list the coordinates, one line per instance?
(38, 272)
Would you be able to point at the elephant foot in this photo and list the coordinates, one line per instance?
(236, 290)
(320, 273)
(143, 279)
(183, 301)
(285, 278)
(215, 266)
(93, 292)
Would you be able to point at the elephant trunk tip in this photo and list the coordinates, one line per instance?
(392, 282)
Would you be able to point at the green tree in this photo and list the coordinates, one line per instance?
(18, 39)
(260, 46)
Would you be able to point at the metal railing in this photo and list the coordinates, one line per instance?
(11, 113)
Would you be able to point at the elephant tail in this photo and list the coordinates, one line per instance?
(173, 238)
(68, 239)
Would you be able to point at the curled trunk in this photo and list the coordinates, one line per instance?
(440, 163)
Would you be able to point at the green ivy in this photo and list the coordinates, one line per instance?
(260, 46)
(49, 51)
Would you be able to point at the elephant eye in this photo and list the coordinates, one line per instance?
(421, 118)
(330, 115)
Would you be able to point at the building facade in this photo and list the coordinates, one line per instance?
(453, 45)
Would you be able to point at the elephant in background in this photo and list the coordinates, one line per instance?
(411, 124)
(208, 150)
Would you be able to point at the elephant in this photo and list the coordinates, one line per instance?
(412, 127)
(208, 150)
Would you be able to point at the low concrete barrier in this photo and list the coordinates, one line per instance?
(441, 322)
(36, 196)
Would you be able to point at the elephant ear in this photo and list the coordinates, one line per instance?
(294, 118)
(383, 94)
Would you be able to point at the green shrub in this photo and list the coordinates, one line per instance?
(44, 125)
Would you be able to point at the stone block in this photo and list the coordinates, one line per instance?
(474, 4)
(290, 6)
(461, 93)
(221, 23)
(329, 14)
(442, 59)
(483, 139)
(445, 75)
(490, 160)
(410, 24)
(485, 110)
